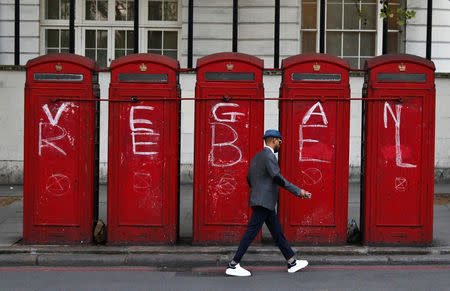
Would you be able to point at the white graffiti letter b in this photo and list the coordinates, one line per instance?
(231, 144)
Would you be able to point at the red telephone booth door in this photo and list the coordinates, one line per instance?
(398, 151)
(60, 156)
(228, 129)
(314, 120)
(143, 150)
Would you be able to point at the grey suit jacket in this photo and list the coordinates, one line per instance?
(265, 179)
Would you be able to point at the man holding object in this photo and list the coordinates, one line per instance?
(265, 179)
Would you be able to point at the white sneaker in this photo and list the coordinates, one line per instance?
(299, 264)
(237, 271)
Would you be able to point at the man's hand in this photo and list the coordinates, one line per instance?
(305, 194)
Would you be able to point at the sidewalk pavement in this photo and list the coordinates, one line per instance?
(186, 255)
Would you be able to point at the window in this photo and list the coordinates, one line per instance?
(163, 10)
(96, 46)
(163, 43)
(124, 10)
(96, 10)
(57, 9)
(56, 41)
(124, 43)
(351, 29)
(104, 30)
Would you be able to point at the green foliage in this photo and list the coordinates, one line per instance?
(402, 15)
(386, 12)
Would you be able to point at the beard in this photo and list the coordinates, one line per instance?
(276, 149)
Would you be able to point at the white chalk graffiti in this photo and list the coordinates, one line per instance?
(311, 176)
(57, 184)
(401, 184)
(142, 181)
(396, 118)
(224, 144)
(304, 124)
(233, 118)
(226, 185)
(138, 128)
(48, 126)
(231, 114)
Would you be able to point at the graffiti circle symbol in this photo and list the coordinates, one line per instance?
(142, 182)
(401, 184)
(226, 185)
(311, 176)
(58, 184)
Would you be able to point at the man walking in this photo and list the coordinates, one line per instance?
(264, 179)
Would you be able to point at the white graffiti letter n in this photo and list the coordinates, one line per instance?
(396, 118)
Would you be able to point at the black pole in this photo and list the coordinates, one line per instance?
(276, 56)
(136, 26)
(235, 25)
(429, 27)
(322, 27)
(190, 32)
(72, 26)
(385, 30)
(17, 32)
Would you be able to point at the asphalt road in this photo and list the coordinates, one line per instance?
(264, 278)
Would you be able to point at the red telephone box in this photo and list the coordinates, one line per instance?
(229, 124)
(60, 150)
(143, 154)
(314, 120)
(398, 150)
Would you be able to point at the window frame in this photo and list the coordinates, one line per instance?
(111, 25)
(378, 29)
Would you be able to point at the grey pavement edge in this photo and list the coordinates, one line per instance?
(14, 253)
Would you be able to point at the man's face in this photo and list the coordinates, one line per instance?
(277, 146)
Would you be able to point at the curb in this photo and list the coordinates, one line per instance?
(197, 256)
